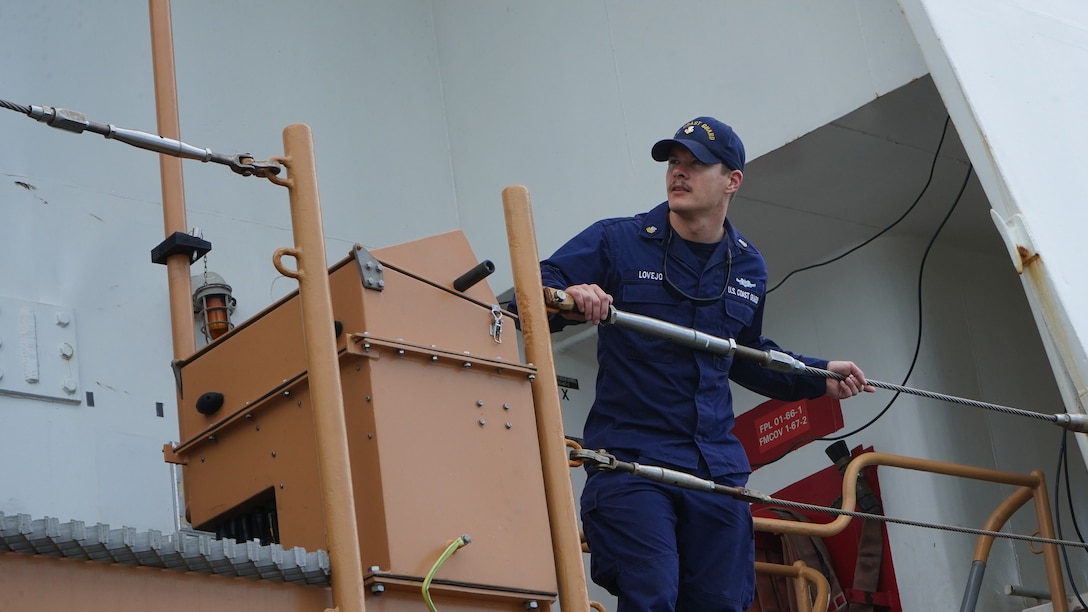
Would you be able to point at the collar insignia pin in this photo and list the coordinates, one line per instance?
(651, 230)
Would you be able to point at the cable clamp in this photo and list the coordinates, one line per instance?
(752, 496)
(60, 118)
(782, 362)
(1073, 422)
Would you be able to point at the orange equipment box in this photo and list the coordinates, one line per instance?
(440, 426)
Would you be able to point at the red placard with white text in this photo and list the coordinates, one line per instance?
(774, 427)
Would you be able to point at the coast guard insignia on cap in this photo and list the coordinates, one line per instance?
(689, 129)
(651, 229)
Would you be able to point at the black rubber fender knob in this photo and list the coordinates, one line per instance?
(209, 403)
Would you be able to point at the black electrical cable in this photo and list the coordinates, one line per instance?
(914, 360)
(918, 337)
(1069, 489)
(1063, 460)
(932, 167)
(15, 107)
(929, 180)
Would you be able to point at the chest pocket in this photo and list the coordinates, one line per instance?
(738, 315)
(739, 311)
(649, 299)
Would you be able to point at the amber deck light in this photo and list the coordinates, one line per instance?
(213, 305)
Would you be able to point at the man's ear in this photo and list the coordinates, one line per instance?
(736, 177)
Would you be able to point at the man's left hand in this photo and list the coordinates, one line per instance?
(852, 385)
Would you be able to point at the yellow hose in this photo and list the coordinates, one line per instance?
(452, 548)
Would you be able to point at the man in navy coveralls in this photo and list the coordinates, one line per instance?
(656, 546)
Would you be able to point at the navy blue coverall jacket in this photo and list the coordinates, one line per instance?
(655, 400)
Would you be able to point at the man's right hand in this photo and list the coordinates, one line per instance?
(591, 303)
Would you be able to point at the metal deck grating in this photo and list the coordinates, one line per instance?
(186, 550)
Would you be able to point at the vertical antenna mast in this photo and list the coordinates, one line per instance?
(173, 187)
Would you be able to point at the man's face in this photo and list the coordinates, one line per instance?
(695, 187)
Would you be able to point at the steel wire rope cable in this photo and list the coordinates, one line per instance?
(78, 123)
(911, 523)
(1063, 460)
(448, 290)
(1062, 464)
(689, 481)
(939, 396)
(918, 338)
(15, 107)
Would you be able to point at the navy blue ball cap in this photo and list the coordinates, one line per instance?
(709, 140)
